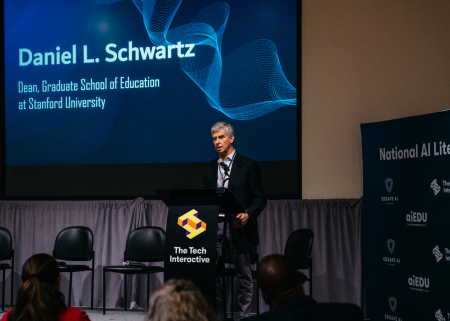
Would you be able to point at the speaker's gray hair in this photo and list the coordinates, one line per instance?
(221, 124)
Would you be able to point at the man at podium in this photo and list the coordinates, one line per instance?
(242, 177)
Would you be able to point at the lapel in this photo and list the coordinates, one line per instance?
(235, 168)
(214, 173)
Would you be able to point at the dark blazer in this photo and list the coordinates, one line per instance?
(304, 308)
(246, 186)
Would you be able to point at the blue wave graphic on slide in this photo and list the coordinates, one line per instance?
(246, 84)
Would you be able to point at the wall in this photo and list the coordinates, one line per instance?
(365, 61)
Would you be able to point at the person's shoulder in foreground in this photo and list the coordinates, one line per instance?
(336, 312)
(5, 316)
(282, 289)
(74, 314)
(70, 314)
(292, 309)
(313, 312)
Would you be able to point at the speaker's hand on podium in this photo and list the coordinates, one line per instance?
(241, 220)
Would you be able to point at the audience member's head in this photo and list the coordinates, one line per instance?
(179, 300)
(39, 297)
(279, 279)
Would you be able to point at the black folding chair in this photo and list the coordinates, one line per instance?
(229, 271)
(6, 253)
(298, 248)
(144, 244)
(75, 243)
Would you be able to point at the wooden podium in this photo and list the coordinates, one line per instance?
(191, 235)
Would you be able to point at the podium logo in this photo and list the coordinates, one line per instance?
(391, 245)
(437, 253)
(392, 303)
(435, 187)
(389, 183)
(192, 224)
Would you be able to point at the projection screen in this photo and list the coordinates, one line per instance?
(107, 98)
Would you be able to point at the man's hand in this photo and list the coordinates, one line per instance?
(241, 220)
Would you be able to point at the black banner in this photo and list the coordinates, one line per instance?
(407, 218)
(191, 246)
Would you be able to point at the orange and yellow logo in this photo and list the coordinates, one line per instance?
(192, 224)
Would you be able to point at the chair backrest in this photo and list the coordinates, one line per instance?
(253, 255)
(146, 244)
(74, 243)
(5, 244)
(299, 246)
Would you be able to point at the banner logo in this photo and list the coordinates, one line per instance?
(391, 245)
(435, 187)
(389, 200)
(392, 303)
(445, 185)
(419, 284)
(439, 315)
(192, 224)
(417, 218)
(437, 253)
(389, 183)
(392, 261)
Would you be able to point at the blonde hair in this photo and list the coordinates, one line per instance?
(179, 300)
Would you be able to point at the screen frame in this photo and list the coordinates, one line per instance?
(3, 172)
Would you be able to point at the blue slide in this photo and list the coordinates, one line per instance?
(142, 81)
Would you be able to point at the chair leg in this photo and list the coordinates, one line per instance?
(12, 278)
(12, 286)
(125, 290)
(104, 292)
(92, 289)
(310, 276)
(92, 281)
(148, 289)
(3, 291)
(70, 288)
